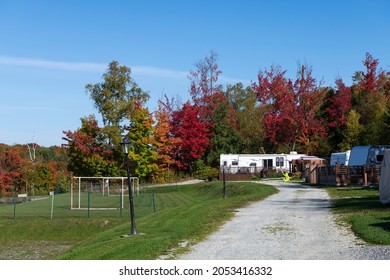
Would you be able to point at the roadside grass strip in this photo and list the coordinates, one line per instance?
(179, 218)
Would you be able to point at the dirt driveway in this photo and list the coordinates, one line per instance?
(294, 224)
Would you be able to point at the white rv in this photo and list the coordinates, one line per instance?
(254, 163)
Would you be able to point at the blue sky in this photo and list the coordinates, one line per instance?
(49, 50)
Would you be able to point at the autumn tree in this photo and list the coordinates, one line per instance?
(309, 127)
(370, 97)
(336, 108)
(164, 142)
(276, 95)
(204, 83)
(11, 166)
(95, 151)
(143, 155)
(192, 134)
(291, 108)
(215, 111)
(114, 97)
(89, 152)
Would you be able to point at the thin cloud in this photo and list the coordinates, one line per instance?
(4, 109)
(158, 72)
(100, 67)
(86, 66)
(60, 65)
(229, 80)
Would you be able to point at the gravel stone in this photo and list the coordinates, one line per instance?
(294, 224)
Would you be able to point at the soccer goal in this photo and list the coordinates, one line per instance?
(101, 193)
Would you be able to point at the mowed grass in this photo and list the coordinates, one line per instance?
(360, 208)
(185, 214)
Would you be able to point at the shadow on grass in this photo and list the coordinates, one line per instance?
(353, 204)
(385, 225)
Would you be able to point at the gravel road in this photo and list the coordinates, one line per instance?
(294, 224)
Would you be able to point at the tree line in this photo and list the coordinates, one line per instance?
(275, 114)
(33, 169)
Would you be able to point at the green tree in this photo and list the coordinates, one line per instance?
(143, 155)
(225, 138)
(115, 98)
(352, 132)
(370, 98)
(44, 179)
(247, 117)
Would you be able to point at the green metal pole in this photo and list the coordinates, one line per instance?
(120, 205)
(89, 202)
(153, 204)
(14, 204)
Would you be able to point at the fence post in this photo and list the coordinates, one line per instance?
(120, 205)
(14, 204)
(153, 204)
(89, 202)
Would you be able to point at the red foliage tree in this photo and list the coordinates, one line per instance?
(204, 81)
(369, 81)
(309, 99)
(88, 151)
(339, 104)
(192, 134)
(11, 166)
(274, 91)
(291, 108)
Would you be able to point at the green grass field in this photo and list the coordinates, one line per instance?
(360, 208)
(185, 214)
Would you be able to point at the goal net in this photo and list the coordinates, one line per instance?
(101, 193)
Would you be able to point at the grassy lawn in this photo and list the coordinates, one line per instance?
(369, 219)
(183, 215)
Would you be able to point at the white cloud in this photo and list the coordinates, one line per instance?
(5, 109)
(60, 65)
(100, 67)
(88, 66)
(158, 72)
(229, 80)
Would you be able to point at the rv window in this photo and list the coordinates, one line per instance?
(234, 162)
(279, 161)
(224, 163)
(267, 163)
(252, 164)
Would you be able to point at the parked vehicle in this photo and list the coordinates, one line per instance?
(366, 155)
(254, 163)
(341, 158)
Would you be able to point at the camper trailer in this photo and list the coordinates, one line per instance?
(341, 158)
(384, 182)
(254, 163)
(366, 155)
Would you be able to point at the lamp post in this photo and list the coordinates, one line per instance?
(126, 148)
(224, 181)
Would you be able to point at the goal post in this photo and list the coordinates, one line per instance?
(100, 193)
